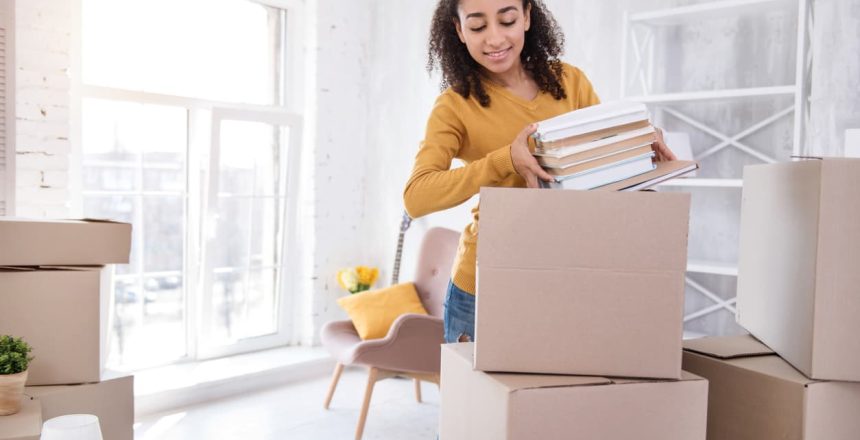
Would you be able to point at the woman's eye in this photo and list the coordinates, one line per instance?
(508, 23)
(478, 29)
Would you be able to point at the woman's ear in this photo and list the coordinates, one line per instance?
(459, 30)
(528, 16)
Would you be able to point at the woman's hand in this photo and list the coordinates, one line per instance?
(661, 151)
(524, 163)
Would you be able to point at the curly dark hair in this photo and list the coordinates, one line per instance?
(544, 42)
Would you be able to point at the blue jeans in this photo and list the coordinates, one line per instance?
(459, 314)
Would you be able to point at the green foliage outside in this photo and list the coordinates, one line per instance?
(14, 355)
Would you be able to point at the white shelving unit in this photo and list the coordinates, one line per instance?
(640, 31)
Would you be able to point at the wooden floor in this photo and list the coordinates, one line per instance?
(295, 412)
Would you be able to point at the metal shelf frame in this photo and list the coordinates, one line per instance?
(638, 45)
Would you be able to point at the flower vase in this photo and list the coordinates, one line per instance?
(11, 392)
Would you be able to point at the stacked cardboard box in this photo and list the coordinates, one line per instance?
(587, 286)
(52, 283)
(798, 293)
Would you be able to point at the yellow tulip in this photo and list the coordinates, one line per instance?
(348, 279)
(367, 275)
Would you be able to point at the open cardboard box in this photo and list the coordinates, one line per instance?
(32, 242)
(498, 406)
(799, 269)
(581, 282)
(755, 395)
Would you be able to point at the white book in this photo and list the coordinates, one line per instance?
(604, 175)
(589, 119)
(559, 153)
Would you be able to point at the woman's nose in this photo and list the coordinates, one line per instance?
(495, 36)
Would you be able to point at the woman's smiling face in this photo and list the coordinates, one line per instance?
(494, 32)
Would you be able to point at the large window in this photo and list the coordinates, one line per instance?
(185, 135)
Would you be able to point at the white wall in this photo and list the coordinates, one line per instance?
(43, 45)
(835, 94)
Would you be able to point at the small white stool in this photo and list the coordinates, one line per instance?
(72, 427)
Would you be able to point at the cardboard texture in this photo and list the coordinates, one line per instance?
(798, 283)
(112, 401)
(25, 425)
(26, 242)
(499, 406)
(755, 395)
(581, 282)
(57, 312)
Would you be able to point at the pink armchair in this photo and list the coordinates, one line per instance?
(411, 347)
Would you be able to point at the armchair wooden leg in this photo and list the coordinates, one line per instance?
(334, 379)
(368, 392)
(417, 390)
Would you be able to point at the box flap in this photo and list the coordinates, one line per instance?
(540, 229)
(513, 382)
(686, 376)
(522, 381)
(728, 347)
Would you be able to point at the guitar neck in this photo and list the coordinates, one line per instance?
(404, 225)
(395, 273)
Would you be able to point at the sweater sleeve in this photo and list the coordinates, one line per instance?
(585, 95)
(433, 186)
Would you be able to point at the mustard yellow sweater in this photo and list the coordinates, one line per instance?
(480, 137)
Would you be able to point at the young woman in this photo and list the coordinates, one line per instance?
(500, 67)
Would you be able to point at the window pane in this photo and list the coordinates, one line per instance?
(233, 234)
(119, 208)
(244, 305)
(165, 170)
(164, 234)
(261, 305)
(120, 137)
(228, 292)
(250, 158)
(222, 50)
(149, 322)
(265, 241)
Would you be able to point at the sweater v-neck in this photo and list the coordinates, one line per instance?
(529, 104)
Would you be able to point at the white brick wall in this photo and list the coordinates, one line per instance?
(43, 46)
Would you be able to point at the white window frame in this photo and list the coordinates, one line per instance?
(289, 114)
(287, 278)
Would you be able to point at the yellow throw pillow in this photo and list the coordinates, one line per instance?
(373, 311)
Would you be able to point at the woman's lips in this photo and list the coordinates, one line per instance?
(498, 55)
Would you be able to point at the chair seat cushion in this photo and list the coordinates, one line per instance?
(373, 311)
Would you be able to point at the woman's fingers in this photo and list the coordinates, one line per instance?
(528, 131)
(661, 150)
(543, 175)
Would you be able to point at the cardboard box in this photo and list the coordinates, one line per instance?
(497, 406)
(798, 278)
(581, 282)
(755, 395)
(25, 425)
(57, 312)
(26, 242)
(112, 401)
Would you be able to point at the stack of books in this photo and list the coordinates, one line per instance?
(606, 146)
